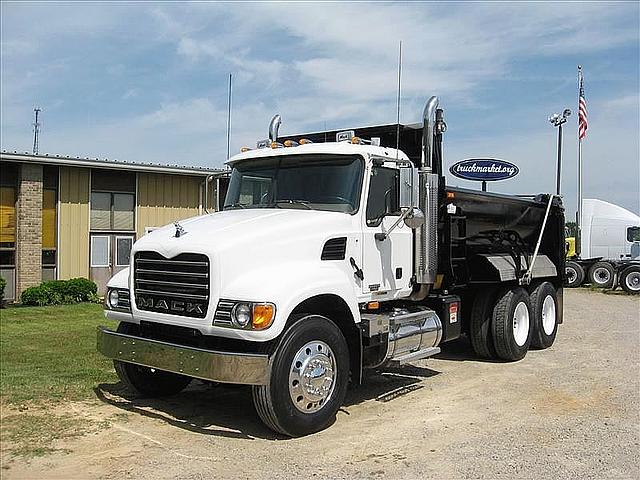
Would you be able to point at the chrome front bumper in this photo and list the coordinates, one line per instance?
(243, 368)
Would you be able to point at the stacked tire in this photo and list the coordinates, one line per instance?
(506, 323)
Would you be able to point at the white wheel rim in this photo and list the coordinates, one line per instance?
(312, 377)
(521, 324)
(548, 315)
(571, 274)
(633, 281)
(601, 275)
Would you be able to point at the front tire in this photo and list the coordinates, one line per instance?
(574, 274)
(144, 380)
(630, 279)
(511, 324)
(602, 274)
(309, 376)
(544, 309)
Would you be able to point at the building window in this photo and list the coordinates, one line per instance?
(49, 222)
(8, 197)
(112, 200)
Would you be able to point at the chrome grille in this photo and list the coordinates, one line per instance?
(179, 285)
(223, 312)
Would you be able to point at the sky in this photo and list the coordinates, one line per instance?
(148, 81)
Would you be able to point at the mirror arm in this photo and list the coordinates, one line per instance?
(381, 236)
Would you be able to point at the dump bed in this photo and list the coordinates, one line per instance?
(486, 230)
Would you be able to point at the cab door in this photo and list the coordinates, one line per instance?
(387, 264)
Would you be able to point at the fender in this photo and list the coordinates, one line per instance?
(289, 286)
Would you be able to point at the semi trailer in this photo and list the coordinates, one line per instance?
(608, 249)
(336, 253)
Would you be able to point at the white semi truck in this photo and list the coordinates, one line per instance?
(336, 253)
(608, 252)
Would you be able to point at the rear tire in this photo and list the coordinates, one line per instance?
(309, 376)
(480, 325)
(512, 325)
(574, 274)
(544, 309)
(630, 279)
(144, 380)
(602, 275)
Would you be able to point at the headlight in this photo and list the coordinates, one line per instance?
(241, 315)
(113, 298)
(248, 315)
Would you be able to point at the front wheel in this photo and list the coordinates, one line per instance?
(309, 376)
(630, 279)
(144, 380)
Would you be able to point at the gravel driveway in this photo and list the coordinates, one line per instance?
(571, 411)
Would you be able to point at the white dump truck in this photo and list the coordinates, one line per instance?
(608, 250)
(335, 253)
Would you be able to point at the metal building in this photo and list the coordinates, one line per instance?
(64, 217)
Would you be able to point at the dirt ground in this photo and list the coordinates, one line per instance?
(572, 411)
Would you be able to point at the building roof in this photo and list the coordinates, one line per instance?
(52, 159)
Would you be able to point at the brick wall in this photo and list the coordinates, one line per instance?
(29, 228)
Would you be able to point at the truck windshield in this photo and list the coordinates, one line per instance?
(311, 182)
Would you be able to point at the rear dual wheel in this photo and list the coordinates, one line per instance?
(511, 324)
(574, 274)
(630, 279)
(544, 307)
(602, 275)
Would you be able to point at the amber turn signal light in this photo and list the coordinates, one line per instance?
(263, 315)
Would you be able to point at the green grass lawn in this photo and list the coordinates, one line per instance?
(49, 353)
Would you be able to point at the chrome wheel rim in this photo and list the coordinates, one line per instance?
(548, 315)
(521, 324)
(571, 275)
(312, 377)
(601, 275)
(632, 281)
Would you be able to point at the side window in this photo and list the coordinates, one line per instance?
(633, 234)
(383, 195)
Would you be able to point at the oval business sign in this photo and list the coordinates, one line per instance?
(484, 169)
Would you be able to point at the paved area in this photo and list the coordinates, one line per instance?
(570, 412)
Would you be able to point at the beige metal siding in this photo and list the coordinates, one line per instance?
(73, 233)
(163, 199)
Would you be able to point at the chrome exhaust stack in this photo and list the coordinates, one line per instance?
(426, 239)
(274, 126)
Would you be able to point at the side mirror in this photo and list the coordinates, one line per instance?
(408, 187)
(414, 219)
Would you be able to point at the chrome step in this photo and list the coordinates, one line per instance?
(412, 356)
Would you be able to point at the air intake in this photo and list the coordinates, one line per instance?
(334, 249)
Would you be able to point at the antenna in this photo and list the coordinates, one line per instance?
(229, 118)
(36, 130)
(398, 102)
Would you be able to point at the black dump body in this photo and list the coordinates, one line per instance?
(492, 225)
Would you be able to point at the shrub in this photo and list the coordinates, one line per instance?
(3, 283)
(56, 292)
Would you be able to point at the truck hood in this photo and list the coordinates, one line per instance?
(250, 231)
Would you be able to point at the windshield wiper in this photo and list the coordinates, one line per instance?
(235, 205)
(290, 201)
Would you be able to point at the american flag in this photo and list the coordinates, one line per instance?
(583, 124)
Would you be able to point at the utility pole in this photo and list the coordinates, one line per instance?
(229, 117)
(557, 120)
(36, 131)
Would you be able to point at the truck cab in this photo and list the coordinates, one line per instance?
(329, 258)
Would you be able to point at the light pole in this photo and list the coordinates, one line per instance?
(557, 120)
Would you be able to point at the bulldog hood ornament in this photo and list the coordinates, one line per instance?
(179, 230)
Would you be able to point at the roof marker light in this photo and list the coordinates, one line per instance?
(305, 141)
(244, 149)
(355, 140)
(290, 143)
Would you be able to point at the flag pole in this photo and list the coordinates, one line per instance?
(579, 211)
